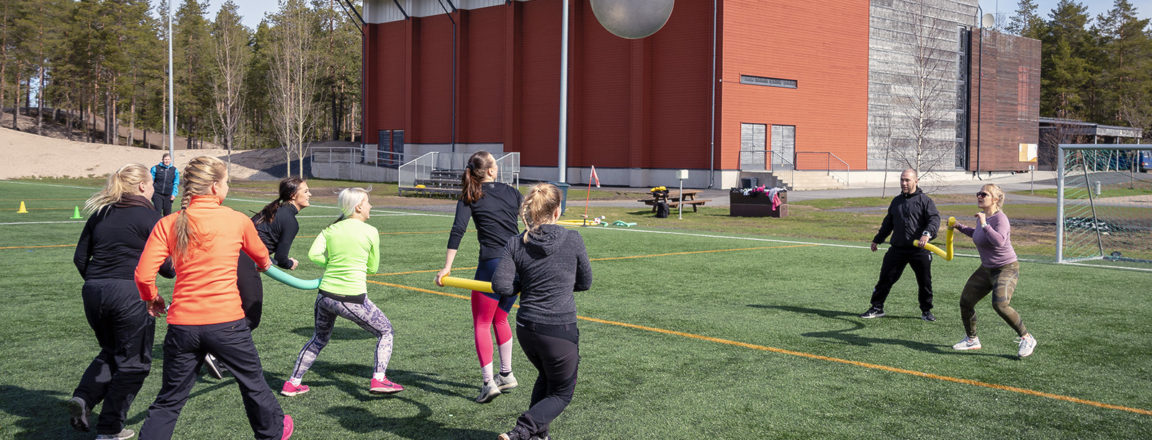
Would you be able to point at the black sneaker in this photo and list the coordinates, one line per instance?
(928, 316)
(78, 412)
(872, 313)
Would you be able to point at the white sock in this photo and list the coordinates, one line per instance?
(506, 356)
(296, 382)
(486, 372)
(378, 376)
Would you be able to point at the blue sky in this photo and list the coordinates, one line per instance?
(1095, 7)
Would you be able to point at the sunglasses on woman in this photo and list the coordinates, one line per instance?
(981, 194)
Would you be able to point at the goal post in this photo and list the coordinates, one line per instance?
(1104, 203)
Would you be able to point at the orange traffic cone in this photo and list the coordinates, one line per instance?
(76, 213)
(22, 209)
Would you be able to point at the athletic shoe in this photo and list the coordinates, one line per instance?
(1027, 344)
(289, 426)
(293, 390)
(968, 343)
(514, 435)
(488, 392)
(872, 312)
(928, 316)
(505, 383)
(384, 387)
(212, 367)
(124, 434)
(78, 410)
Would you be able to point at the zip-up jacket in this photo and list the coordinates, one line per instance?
(205, 291)
(546, 270)
(909, 217)
(165, 179)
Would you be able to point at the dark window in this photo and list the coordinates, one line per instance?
(770, 82)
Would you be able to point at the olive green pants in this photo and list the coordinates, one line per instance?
(1000, 282)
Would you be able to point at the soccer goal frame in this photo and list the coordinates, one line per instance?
(1095, 225)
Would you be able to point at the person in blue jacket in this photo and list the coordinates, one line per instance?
(166, 183)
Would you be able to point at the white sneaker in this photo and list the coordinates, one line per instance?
(1027, 344)
(488, 392)
(124, 434)
(967, 343)
(505, 383)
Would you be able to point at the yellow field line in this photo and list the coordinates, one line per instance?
(42, 246)
(822, 358)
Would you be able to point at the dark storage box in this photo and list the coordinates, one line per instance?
(758, 205)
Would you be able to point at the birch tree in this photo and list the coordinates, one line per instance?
(292, 80)
(231, 53)
(924, 128)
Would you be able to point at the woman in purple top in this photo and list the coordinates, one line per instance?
(998, 272)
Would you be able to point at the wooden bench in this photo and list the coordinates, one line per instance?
(674, 201)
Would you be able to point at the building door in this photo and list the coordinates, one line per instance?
(783, 147)
(753, 147)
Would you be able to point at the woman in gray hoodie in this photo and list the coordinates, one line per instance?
(545, 264)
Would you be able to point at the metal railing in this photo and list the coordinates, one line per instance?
(825, 161)
(361, 155)
(421, 168)
(767, 160)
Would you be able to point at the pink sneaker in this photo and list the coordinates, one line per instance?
(384, 387)
(289, 426)
(292, 390)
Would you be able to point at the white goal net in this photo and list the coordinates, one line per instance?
(1104, 208)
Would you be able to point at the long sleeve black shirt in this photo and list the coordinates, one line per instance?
(909, 217)
(113, 238)
(278, 234)
(546, 271)
(495, 216)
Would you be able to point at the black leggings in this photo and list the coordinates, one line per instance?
(555, 352)
(251, 290)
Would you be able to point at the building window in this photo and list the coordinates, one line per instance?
(770, 82)
(1022, 93)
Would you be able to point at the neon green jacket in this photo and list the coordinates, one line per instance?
(348, 251)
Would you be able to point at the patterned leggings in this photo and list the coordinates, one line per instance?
(367, 316)
(1001, 283)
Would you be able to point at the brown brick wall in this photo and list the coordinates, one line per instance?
(1010, 90)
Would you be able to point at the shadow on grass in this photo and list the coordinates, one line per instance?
(335, 374)
(847, 336)
(39, 414)
(338, 333)
(420, 426)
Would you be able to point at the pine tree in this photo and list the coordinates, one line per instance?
(1026, 22)
(1065, 63)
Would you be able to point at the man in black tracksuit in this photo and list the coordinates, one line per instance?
(166, 183)
(912, 220)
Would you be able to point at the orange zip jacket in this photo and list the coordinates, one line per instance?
(205, 291)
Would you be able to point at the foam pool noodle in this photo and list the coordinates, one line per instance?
(946, 255)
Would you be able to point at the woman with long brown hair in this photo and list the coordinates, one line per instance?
(204, 240)
(493, 206)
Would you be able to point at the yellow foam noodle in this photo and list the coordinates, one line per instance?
(946, 255)
(464, 283)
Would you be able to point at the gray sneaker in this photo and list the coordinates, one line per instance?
(968, 343)
(124, 434)
(505, 383)
(1027, 344)
(213, 367)
(488, 392)
(78, 414)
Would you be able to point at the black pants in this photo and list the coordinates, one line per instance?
(894, 261)
(162, 203)
(231, 342)
(125, 332)
(251, 290)
(555, 352)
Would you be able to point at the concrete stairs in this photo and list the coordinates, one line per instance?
(807, 180)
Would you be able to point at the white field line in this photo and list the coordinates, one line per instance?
(44, 223)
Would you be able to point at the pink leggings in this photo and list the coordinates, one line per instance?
(485, 312)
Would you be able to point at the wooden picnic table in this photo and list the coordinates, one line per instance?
(675, 198)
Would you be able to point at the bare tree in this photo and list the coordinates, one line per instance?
(880, 131)
(231, 53)
(924, 121)
(293, 80)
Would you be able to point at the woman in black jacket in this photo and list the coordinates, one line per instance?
(121, 219)
(545, 264)
(277, 226)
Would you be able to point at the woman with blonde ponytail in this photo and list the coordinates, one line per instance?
(546, 264)
(493, 206)
(109, 248)
(204, 240)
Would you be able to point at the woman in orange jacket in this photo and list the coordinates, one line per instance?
(204, 240)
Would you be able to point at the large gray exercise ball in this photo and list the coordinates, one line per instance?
(632, 19)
